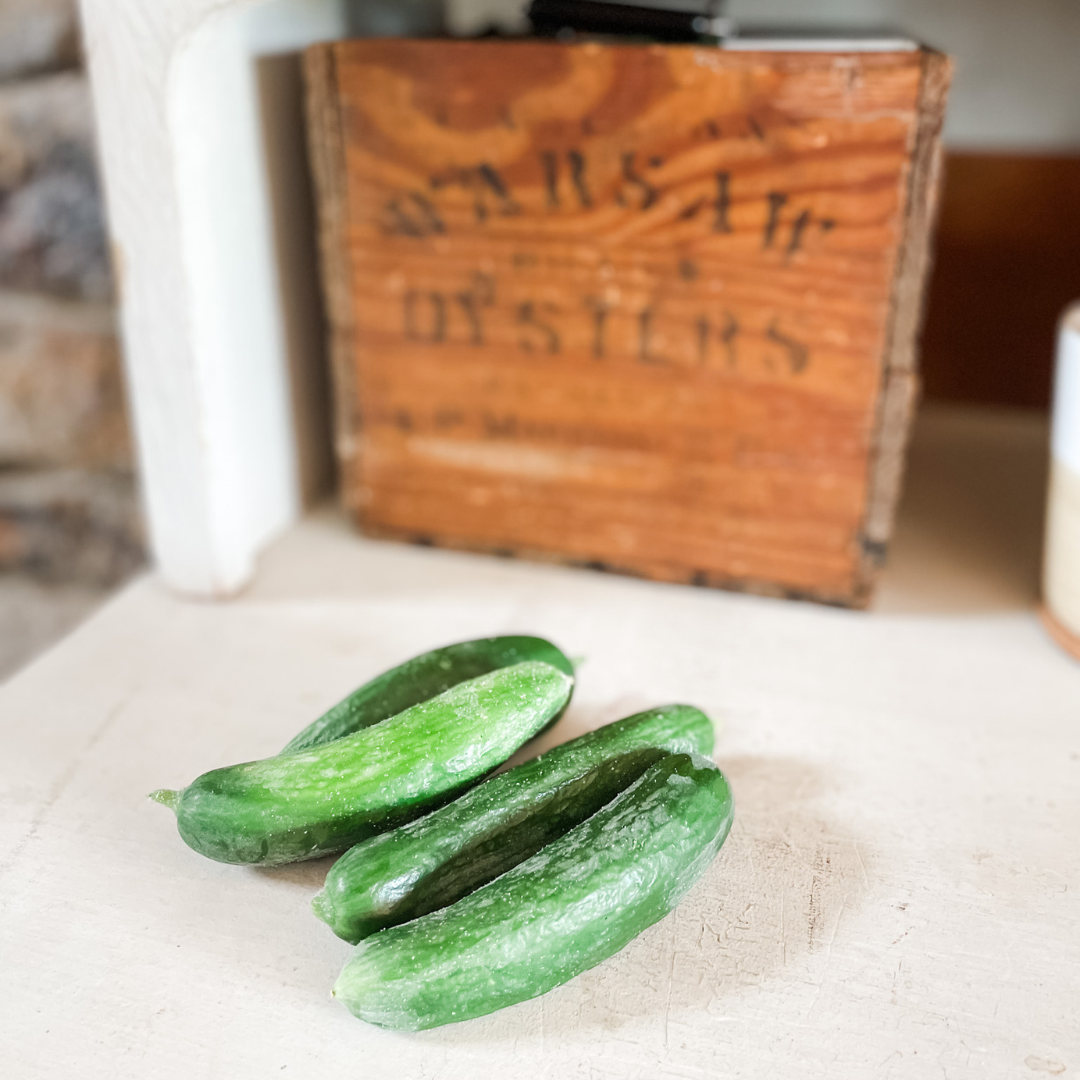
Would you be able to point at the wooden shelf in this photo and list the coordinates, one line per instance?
(897, 897)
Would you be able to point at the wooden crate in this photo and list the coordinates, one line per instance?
(646, 308)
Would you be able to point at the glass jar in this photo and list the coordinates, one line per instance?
(1061, 565)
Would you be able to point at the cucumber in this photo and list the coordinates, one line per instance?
(424, 677)
(573, 904)
(435, 860)
(325, 799)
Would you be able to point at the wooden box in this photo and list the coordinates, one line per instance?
(645, 308)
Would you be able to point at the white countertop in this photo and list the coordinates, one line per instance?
(899, 897)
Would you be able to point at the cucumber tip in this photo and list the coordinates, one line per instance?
(166, 797)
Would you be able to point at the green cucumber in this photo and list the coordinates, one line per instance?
(435, 860)
(573, 904)
(325, 799)
(424, 677)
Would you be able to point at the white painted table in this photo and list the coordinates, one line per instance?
(900, 895)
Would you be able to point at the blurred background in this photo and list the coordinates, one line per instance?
(69, 521)
(70, 531)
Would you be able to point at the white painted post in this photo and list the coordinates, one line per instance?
(186, 184)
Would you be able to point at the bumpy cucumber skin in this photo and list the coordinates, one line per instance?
(318, 801)
(559, 913)
(437, 859)
(425, 677)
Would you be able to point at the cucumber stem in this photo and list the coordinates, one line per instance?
(167, 798)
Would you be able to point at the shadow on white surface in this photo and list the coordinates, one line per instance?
(968, 536)
(310, 875)
(763, 912)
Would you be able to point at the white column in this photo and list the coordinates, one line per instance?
(178, 116)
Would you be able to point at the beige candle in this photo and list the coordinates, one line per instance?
(1061, 568)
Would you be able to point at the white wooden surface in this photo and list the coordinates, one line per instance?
(900, 895)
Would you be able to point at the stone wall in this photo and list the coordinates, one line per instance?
(52, 232)
(68, 506)
(37, 36)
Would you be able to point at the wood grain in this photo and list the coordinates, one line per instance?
(640, 307)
